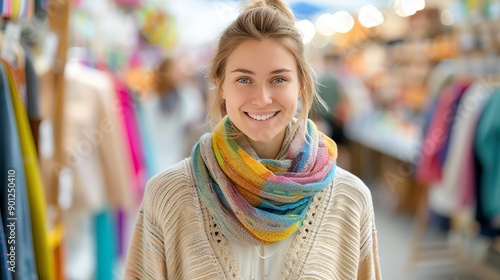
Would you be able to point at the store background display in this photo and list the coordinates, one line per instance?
(394, 60)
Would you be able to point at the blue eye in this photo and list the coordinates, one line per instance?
(243, 80)
(279, 80)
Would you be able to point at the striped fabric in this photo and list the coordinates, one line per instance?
(261, 201)
(15, 9)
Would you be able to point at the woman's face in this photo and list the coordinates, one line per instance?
(261, 90)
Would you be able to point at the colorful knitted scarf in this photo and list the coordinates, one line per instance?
(261, 201)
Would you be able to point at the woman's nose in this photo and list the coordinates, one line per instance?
(262, 97)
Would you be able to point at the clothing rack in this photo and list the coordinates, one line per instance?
(40, 261)
(463, 231)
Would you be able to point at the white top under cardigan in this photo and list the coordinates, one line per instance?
(262, 262)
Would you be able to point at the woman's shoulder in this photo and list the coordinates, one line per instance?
(172, 184)
(349, 184)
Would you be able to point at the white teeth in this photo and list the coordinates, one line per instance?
(262, 117)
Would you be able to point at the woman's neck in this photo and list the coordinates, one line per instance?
(268, 149)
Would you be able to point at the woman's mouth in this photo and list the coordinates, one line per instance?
(264, 117)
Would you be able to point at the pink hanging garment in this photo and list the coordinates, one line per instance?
(429, 168)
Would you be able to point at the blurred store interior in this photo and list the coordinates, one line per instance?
(413, 88)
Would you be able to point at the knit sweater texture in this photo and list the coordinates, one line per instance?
(176, 237)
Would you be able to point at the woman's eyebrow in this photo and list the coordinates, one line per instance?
(245, 71)
(277, 71)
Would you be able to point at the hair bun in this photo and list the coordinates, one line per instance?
(278, 5)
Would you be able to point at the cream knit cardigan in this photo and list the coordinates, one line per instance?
(175, 236)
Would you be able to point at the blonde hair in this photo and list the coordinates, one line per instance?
(263, 19)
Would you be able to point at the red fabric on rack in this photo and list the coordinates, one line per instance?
(429, 168)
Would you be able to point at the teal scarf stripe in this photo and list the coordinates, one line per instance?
(289, 208)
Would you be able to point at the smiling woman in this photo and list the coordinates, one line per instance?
(261, 196)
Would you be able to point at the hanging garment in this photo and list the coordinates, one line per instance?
(17, 9)
(434, 101)
(12, 159)
(99, 159)
(94, 139)
(36, 195)
(123, 225)
(32, 95)
(32, 86)
(59, 260)
(4, 267)
(105, 247)
(487, 150)
(55, 240)
(435, 144)
(147, 142)
(466, 175)
(445, 196)
(128, 115)
(79, 243)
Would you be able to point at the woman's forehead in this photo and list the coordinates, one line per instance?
(261, 57)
